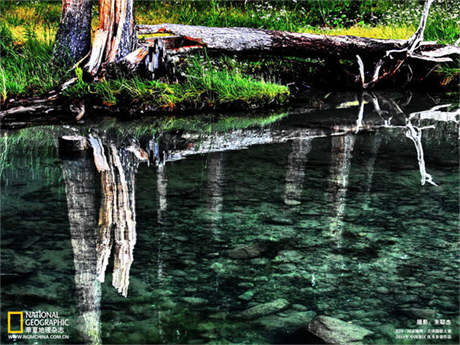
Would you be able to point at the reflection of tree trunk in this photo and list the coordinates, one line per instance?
(117, 211)
(125, 231)
(375, 139)
(215, 184)
(79, 176)
(162, 188)
(342, 148)
(296, 171)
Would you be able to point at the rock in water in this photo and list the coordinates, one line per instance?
(287, 323)
(263, 309)
(335, 331)
(247, 252)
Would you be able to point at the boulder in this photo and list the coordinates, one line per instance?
(335, 331)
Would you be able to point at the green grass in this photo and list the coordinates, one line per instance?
(27, 32)
(203, 85)
(27, 69)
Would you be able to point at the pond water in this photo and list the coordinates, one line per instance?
(241, 235)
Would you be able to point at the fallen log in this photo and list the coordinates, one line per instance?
(250, 41)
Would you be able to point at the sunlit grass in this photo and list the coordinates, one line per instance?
(380, 31)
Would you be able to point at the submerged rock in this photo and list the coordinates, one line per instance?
(246, 252)
(287, 322)
(263, 309)
(335, 331)
(422, 313)
(195, 300)
(382, 290)
(247, 295)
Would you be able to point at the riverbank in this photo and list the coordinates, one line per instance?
(27, 35)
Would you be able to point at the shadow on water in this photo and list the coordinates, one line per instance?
(237, 235)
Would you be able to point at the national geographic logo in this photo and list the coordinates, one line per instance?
(15, 322)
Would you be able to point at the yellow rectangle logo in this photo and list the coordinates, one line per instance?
(20, 313)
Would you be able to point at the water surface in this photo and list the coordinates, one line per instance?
(350, 212)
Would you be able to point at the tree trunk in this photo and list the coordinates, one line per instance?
(73, 38)
(115, 37)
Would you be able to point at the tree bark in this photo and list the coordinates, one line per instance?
(115, 37)
(248, 40)
(73, 38)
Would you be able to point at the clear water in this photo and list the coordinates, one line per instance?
(338, 224)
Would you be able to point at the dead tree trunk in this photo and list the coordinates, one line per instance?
(115, 37)
(73, 38)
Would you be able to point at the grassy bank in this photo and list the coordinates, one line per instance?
(27, 32)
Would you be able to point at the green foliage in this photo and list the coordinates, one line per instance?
(27, 32)
(27, 68)
(203, 84)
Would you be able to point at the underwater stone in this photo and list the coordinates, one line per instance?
(408, 299)
(280, 221)
(335, 331)
(195, 300)
(263, 309)
(288, 268)
(287, 323)
(247, 295)
(422, 313)
(382, 290)
(246, 252)
(288, 256)
(246, 285)
(299, 307)
(259, 261)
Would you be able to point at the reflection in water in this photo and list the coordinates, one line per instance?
(95, 237)
(341, 153)
(296, 171)
(79, 177)
(375, 142)
(214, 200)
(117, 212)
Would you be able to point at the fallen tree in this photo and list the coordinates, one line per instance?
(115, 43)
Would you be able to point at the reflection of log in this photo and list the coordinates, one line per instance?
(162, 190)
(296, 171)
(215, 183)
(162, 193)
(342, 148)
(79, 177)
